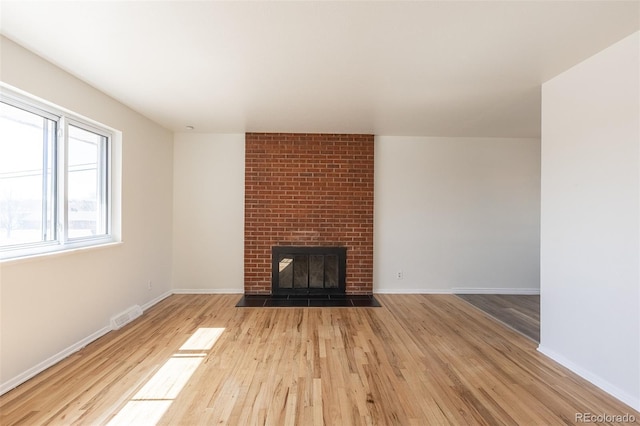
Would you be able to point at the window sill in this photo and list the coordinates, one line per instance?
(57, 253)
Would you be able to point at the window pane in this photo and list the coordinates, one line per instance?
(27, 208)
(86, 183)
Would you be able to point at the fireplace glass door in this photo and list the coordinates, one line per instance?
(306, 270)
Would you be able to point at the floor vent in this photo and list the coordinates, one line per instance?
(125, 317)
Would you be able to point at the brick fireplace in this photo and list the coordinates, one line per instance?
(308, 190)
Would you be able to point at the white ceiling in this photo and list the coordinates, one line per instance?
(431, 68)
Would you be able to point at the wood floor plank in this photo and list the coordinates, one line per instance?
(518, 311)
(198, 360)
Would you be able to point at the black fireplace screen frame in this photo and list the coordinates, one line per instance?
(277, 253)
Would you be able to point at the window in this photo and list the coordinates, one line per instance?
(54, 179)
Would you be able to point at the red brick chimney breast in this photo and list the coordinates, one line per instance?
(308, 190)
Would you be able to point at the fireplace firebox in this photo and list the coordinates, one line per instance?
(308, 270)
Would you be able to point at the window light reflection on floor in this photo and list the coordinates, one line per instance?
(152, 401)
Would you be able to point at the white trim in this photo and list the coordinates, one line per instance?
(21, 378)
(412, 291)
(59, 253)
(49, 362)
(531, 291)
(208, 291)
(156, 300)
(630, 400)
(60, 241)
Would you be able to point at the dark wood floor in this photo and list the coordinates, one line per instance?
(520, 312)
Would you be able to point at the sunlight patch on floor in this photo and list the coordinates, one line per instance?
(155, 397)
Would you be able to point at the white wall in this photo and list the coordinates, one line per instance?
(53, 303)
(590, 231)
(456, 215)
(208, 242)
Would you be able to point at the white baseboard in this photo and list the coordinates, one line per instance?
(21, 378)
(33, 371)
(411, 291)
(156, 300)
(208, 291)
(630, 400)
(525, 291)
(514, 291)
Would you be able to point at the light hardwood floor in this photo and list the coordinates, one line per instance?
(419, 359)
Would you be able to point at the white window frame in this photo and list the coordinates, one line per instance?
(64, 118)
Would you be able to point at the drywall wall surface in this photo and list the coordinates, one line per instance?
(208, 249)
(456, 215)
(590, 241)
(52, 303)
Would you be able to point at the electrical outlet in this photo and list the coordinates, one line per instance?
(149, 285)
(399, 275)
